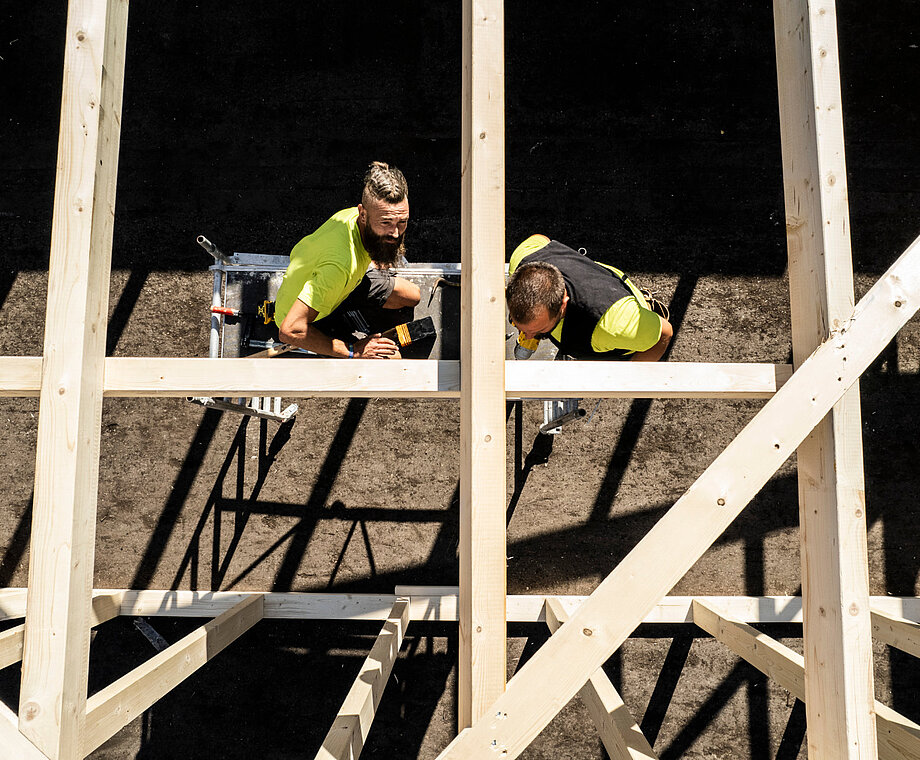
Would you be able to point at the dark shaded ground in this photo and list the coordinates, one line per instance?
(648, 135)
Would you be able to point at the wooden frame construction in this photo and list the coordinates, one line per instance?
(813, 410)
(621, 735)
(345, 739)
(898, 737)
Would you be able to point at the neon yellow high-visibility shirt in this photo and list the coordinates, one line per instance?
(325, 267)
(628, 324)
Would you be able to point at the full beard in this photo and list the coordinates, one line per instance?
(384, 251)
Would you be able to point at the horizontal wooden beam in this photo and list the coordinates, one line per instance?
(439, 603)
(895, 631)
(538, 379)
(13, 603)
(346, 738)
(621, 735)
(364, 378)
(118, 704)
(20, 376)
(898, 737)
(105, 607)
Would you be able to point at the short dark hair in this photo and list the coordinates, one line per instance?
(383, 182)
(533, 285)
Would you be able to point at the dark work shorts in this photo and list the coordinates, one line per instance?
(362, 312)
(374, 289)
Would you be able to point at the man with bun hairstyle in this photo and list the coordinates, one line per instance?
(587, 309)
(345, 266)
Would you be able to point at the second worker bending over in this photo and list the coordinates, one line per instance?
(587, 309)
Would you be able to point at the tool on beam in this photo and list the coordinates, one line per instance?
(273, 350)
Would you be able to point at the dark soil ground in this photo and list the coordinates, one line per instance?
(647, 134)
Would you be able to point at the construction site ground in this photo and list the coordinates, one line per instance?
(647, 134)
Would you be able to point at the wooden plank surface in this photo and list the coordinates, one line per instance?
(621, 735)
(122, 701)
(537, 379)
(20, 376)
(559, 669)
(895, 631)
(482, 647)
(56, 648)
(13, 743)
(355, 378)
(835, 577)
(426, 603)
(898, 737)
(346, 738)
(105, 607)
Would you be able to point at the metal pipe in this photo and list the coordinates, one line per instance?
(214, 343)
(218, 255)
(565, 419)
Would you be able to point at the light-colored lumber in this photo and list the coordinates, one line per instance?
(11, 646)
(835, 576)
(482, 647)
(13, 743)
(131, 376)
(678, 540)
(56, 649)
(621, 735)
(896, 631)
(898, 737)
(13, 603)
(356, 378)
(537, 379)
(20, 376)
(346, 738)
(105, 607)
(775, 660)
(439, 603)
(122, 701)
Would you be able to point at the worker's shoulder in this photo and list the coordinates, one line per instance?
(530, 245)
(331, 235)
(340, 223)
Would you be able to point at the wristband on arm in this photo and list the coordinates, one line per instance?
(351, 350)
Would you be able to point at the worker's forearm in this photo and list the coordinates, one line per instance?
(651, 355)
(654, 353)
(313, 339)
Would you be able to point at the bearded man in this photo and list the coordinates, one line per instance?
(344, 267)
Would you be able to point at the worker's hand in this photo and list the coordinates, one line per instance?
(375, 347)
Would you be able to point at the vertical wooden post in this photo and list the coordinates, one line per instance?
(837, 624)
(482, 396)
(52, 707)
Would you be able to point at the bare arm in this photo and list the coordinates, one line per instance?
(404, 294)
(654, 353)
(298, 330)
